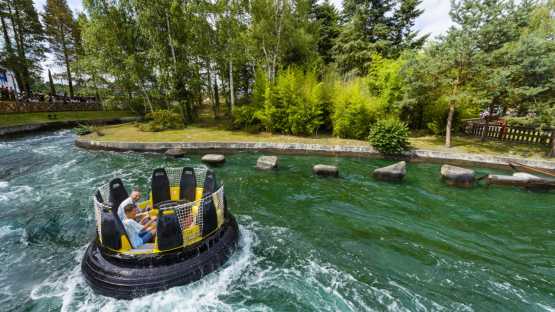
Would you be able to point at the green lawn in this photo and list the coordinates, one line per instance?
(33, 118)
(212, 133)
(466, 144)
(209, 133)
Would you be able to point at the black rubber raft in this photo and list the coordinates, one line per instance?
(129, 276)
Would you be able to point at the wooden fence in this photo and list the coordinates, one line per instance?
(501, 132)
(7, 107)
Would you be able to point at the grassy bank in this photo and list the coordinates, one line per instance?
(211, 133)
(466, 144)
(207, 133)
(35, 118)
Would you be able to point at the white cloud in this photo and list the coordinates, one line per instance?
(435, 20)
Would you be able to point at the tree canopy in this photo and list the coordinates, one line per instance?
(295, 66)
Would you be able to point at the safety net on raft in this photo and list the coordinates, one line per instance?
(197, 219)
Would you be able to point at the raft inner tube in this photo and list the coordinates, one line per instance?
(195, 235)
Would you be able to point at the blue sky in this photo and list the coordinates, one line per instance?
(434, 21)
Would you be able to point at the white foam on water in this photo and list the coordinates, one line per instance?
(3, 184)
(15, 192)
(546, 308)
(203, 295)
(505, 288)
(7, 230)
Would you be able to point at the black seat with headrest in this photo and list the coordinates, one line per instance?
(118, 193)
(112, 227)
(187, 185)
(209, 215)
(168, 230)
(160, 185)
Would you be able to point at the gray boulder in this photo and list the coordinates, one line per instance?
(325, 170)
(267, 163)
(213, 159)
(395, 172)
(175, 152)
(457, 176)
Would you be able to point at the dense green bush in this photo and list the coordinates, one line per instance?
(87, 129)
(244, 118)
(162, 120)
(354, 109)
(244, 115)
(84, 129)
(390, 136)
(293, 104)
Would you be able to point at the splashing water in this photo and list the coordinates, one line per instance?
(307, 244)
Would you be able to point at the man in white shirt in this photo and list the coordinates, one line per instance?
(131, 200)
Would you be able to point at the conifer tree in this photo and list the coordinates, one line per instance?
(403, 36)
(327, 17)
(375, 26)
(60, 32)
(23, 37)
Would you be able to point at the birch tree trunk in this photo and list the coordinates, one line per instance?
(449, 124)
(231, 89)
(451, 114)
(216, 96)
(552, 153)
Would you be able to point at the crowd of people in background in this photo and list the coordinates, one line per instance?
(10, 95)
(7, 94)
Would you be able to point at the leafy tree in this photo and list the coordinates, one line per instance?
(115, 54)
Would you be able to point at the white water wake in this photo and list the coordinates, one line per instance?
(203, 295)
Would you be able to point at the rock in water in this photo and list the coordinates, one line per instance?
(267, 163)
(395, 172)
(325, 170)
(526, 176)
(175, 152)
(522, 179)
(213, 159)
(457, 176)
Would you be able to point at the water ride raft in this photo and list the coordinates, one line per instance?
(196, 234)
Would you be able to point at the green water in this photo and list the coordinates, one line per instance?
(307, 243)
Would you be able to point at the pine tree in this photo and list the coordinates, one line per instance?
(23, 40)
(403, 36)
(352, 51)
(59, 27)
(327, 17)
(375, 26)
